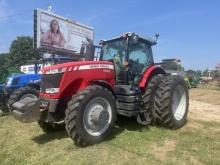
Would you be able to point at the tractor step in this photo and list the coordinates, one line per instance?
(143, 118)
(128, 100)
(26, 110)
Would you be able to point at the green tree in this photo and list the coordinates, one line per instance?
(205, 73)
(199, 73)
(21, 51)
(3, 67)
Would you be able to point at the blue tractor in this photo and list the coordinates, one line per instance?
(20, 80)
(15, 82)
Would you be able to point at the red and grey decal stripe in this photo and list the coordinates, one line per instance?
(96, 66)
(91, 66)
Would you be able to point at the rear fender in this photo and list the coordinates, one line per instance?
(148, 74)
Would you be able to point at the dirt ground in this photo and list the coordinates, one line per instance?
(204, 105)
(205, 95)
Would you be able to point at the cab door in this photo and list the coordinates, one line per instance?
(140, 58)
(116, 52)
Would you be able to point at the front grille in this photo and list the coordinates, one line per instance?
(50, 81)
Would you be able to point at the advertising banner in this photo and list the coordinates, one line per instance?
(58, 34)
(30, 69)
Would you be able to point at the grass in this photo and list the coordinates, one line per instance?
(129, 143)
(198, 142)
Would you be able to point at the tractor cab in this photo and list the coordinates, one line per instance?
(131, 56)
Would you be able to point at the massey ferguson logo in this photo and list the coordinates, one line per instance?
(96, 66)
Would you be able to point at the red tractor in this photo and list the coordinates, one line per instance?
(88, 95)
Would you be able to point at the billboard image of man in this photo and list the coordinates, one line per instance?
(53, 37)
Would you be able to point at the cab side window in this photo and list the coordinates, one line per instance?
(141, 53)
(140, 56)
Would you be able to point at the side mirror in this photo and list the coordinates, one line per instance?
(157, 35)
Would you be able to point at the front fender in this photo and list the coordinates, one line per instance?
(105, 84)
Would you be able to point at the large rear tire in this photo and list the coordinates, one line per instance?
(90, 115)
(171, 102)
(149, 94)
(22, 93)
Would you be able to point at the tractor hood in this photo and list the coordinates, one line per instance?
(63, 79)
(80, 65)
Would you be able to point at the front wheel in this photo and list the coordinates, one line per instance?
(171, 102)
(90, 115)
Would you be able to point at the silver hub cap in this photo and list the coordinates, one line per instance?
(97, 116)
(179, 103)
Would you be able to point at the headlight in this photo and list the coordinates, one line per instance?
(52, 90)
(54, 71)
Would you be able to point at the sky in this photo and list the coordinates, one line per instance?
(189, 29)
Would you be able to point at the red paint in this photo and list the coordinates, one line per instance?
(76, 80)
(146, 75)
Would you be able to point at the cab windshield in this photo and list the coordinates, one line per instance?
(114, 49)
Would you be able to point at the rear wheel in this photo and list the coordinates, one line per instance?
(149, 94)
(21, 94)
(171, 102)
(90, 115)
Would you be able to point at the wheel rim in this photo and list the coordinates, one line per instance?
(32, 96)
(179, 102)
(97, 116)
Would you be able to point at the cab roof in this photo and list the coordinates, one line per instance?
(129, 34)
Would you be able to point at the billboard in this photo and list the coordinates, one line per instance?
(56, 34)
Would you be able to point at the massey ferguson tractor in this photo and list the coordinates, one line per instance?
(87, 96)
